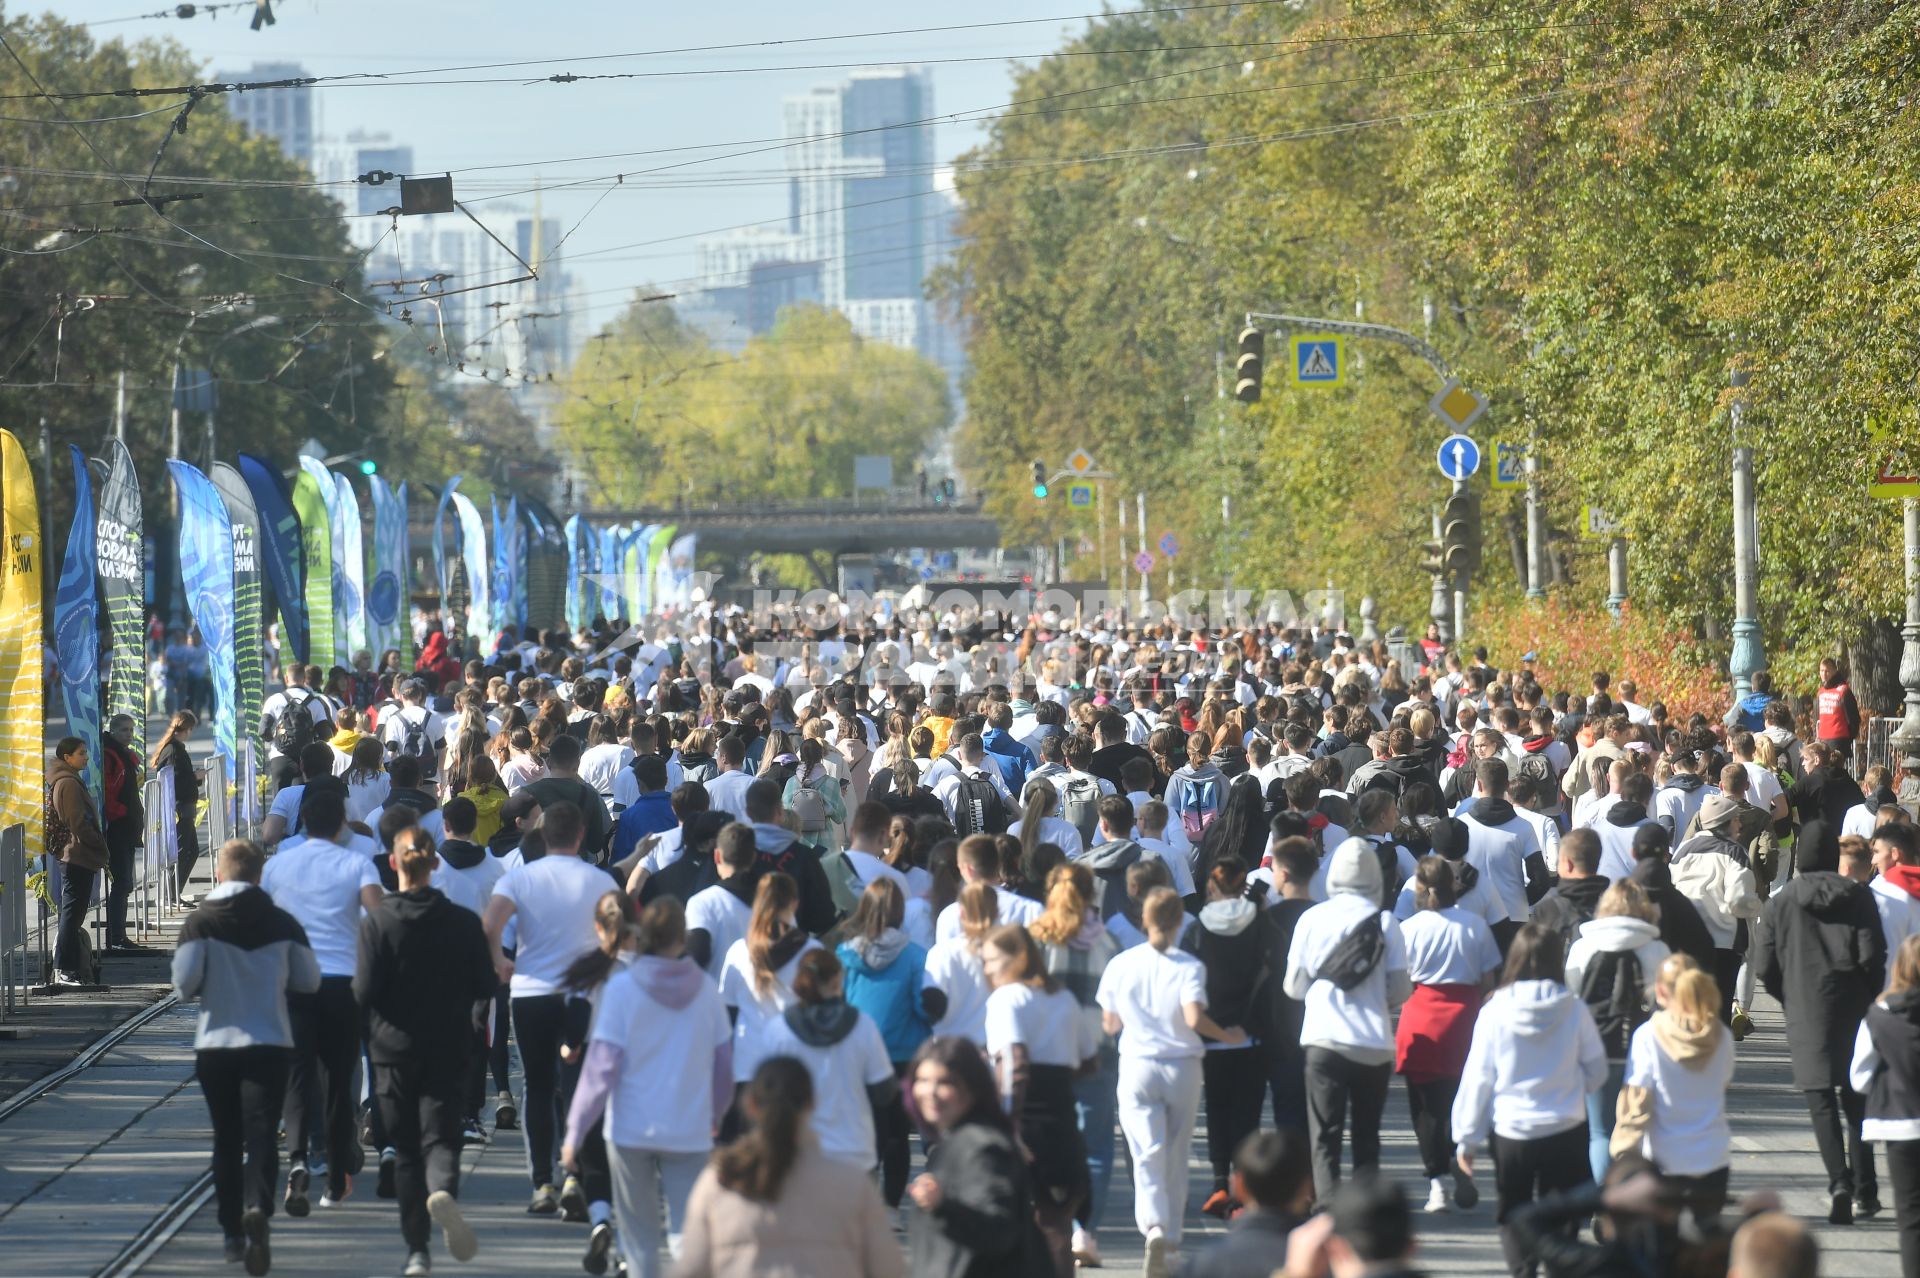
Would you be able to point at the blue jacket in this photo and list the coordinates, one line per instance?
(890, 994)
(1013, 759)
(1749, 714)
(648, 814)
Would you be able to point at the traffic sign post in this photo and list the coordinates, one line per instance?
(1597, 525)
(1459, 458)
(1143, 564)
(1318, 360)
(1168, 546)
(1457, 406)
(1509, 464)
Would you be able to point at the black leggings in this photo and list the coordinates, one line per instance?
(540, 1023)
(326, 1054)
(1430, 1105)
(1903, 1170)
(892, 1135)
(1524, 1170)
(1234, 1088)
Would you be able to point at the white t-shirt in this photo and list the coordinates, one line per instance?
(727, 792)
(1129, 936)
(318, 882)
(842, 1114)
(956, 971)
(755, 1011)
(554, 900)
(1763, 787)
(1689, 1134)
(1050, 1026)
(1177, 864)
(600, 765)
(317, 708)
(367, 796)
(393, 728)
(663, 1097)
(432, 822)
(472, 887)
(1453, 946)
(1148, 991)
(1057, 832)
(1011, 907)
(724, 918)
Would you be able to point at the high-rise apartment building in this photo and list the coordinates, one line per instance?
(285, 115)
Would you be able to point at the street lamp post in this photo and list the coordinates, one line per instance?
(1906, 739)
(1749, 656)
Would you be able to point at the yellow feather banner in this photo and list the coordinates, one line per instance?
(23, 751)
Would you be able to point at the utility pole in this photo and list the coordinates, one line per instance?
(1536, 527)
(1906, 738)
(1617, 576)
(1140, 510)
(1749, 656)
(1462, 578)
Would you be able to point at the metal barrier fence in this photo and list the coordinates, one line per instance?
(1878, 744)
(14, 959)
(155, 890)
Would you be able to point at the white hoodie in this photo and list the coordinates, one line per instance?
(1535, 1056)
(1356, 1023)
(1615, 934)
(1721, 886)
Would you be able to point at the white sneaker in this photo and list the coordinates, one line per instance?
(1437, 1200)
(66, 978)
(1086, 1249)
(1156, 1263)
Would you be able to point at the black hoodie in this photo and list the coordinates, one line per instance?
(1571, 903)
(1681, 926)
(423, 965)
(462, 855)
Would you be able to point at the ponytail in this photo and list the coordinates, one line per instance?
(1434, 887)
(614, 919)
(781, 1098)
(773, 901)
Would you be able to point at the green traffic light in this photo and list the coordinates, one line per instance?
(369, 466)
(1039, 490)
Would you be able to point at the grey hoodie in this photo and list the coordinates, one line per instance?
(1109, 862)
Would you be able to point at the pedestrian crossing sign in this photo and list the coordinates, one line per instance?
(1509, 464)
(1318, 361)
(1080, 495)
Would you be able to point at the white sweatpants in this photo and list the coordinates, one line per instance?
(1159, 1103)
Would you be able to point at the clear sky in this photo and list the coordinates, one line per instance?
(451, 126)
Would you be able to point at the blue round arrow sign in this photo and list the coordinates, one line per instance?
(1459, 457)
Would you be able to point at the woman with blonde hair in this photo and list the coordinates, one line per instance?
(954, 967)
(1076, 948)
(1614, 966)
(1673, 1104)
(1886, 1070)
(1037, 1042)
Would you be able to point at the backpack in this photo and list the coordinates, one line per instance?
(977, 807)
(1204, 797)
(293, 730)
(809, 808)
(843, 881)
(1354, 958)
(1614, 990)
(57, 835)
(413, 741)
(1080, 806)
(1536, 767)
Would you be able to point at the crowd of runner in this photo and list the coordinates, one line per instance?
(764, 919)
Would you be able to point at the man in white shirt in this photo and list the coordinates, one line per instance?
(972, 767)
(718, 915)
(979, 860)
(1763, 786)
(727, 791)
(327, 887)
(604, 757)
(1502, 846)
(416, 729)
(552, 902)
(283, 768)
(1150, 828)
(1636, 714)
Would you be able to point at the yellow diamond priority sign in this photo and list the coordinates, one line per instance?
(1457, 406)
(1080, 461)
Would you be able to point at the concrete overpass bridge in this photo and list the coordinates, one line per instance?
(871, 525)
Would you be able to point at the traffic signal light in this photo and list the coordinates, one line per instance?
(1249, 368)
(1460, 533)
(369, 466)
(1039, 479)
(1432, 558)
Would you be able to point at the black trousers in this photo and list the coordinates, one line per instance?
(1338, 1091)
(497, 1059)
(421, 1103)
(326, 1053)
(1234, 1089)
(1524, 1170)
(1704, 1195)
(244, 1087)
(1849, 1160)
(1903, 1169)
(1430, 1105)
(540, 1023)
(892, 1138)
(76, 894)
(284, 771)
(1287, 1078)
(1503, 933)
(187, 835)
(123, 842)
(1726, 972)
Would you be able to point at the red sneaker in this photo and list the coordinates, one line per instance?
(1218, 1204)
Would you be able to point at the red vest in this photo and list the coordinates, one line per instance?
(1833, 725)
